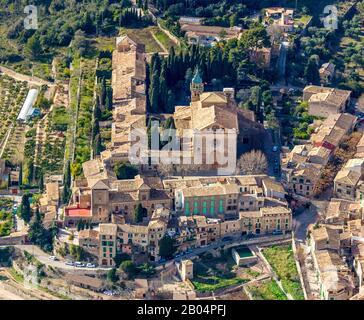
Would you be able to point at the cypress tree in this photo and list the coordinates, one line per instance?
(20, 181)
(41, 183)
(25, 212)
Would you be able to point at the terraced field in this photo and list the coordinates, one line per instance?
(12, 96)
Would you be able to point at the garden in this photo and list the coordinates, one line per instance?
(267, 290)
(213, 273)
(6, 217)
(12, 96)
(281, 259)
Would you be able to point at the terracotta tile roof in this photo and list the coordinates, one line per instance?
(77, 212)
(88, 233)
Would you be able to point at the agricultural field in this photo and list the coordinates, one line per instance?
(51, 135)
(12, 96)
(282, 260)
(164, 39)
(82, 151)
(145, 36)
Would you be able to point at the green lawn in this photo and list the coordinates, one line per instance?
(267, 291)
(164, 39)
(282, 260)
(304, 19)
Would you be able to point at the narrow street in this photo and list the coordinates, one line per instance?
(302, 220)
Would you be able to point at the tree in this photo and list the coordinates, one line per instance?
(33, 47)
(25, 212)
(112, 276)
(166, 247)
(41, 183)
(147, 270)
(20, 179)
(129, 268)
(312, 74)
(80, 43)
(253, 162)
(138, 213)
(66, 183)
(119, 258)
(125, 171)
(40, 236)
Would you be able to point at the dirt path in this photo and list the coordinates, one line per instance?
(23, 77)
(8, 295)
(28, 291)
(165, 51)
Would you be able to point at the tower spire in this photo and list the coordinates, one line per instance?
(196, 86)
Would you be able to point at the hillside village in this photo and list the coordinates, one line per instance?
(80, 218)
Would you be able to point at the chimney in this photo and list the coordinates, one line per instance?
(229, 94)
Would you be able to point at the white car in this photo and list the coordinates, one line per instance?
(90, 265)
(54, 258)
(69, 263)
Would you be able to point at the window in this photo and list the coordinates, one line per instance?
(204, 207)
(195, 209)
(187, 208)
(221, 208)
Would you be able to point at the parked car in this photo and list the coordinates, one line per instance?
(69, 263)
(79, 264)
(54, 258)
(227, 239)
(162, 260)
(277, 232)
(90, 265)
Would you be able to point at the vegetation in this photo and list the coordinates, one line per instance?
(5, 256)
(124, 170)
(40, 236)
(212, 273)
(222, 65)
(112, 276)
(60, 22)
(6, 217)
(282, 260)
(25, 211)
(268, 290)
(167, 247)
(253, 162)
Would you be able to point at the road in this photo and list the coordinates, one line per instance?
(302, 220)
(43, 257)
